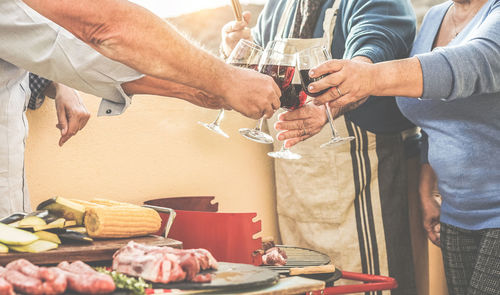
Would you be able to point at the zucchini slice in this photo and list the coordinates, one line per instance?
(35, 247)
(48, 236)
(64, 208)
(13, 236)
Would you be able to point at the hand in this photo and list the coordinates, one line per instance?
(431, 211)
(72, 115)
(431, 208)
(350, 81)
(300, 124)
(251, 93)
(233, 31)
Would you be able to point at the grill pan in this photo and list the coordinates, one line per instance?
(303, 257)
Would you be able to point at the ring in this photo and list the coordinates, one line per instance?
(338, 91)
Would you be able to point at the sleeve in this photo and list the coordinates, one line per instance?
(37, 86)
(56, 54)
(465, 70)
(378, 29)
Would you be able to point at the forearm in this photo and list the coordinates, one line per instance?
(398, 78)
(428, 181)
(155, 86)
(136, 37)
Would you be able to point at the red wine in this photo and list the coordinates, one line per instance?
(254, 67)
(282, 75)
(306, 80)
(292, 96)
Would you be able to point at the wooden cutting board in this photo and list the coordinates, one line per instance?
(99, 250)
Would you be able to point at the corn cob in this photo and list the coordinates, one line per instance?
(120, 221)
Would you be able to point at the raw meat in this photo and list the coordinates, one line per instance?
(163, 264)
(274, 256)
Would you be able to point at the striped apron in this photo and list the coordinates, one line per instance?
(349, 200)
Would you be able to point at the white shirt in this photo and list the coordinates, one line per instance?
(32, 42)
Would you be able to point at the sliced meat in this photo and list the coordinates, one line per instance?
(31, 270)
(23, 283)
(202, 278)
(162, 264)
(84, 280)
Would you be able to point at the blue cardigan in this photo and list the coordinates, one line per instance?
(378, 29)
(460, 112)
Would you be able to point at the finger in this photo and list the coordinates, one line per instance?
(269, 112)
(73, 127)
(332, 80)
(83, 121)
(291, 142)
(331, 95)
(335, 101)
(290, 125)
(327, 67)
(62, 120)
(247, 16)
(298, 114)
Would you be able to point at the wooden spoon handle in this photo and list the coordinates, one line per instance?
(312, 269)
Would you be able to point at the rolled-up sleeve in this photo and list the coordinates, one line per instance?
(30, 41)
(465, 70)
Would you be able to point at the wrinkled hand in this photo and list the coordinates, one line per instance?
(300, 124)
(431, 207)
(210, 101)
(431, 211)
(233, 31)
(351, 81)
(251, 93)
(72, 115)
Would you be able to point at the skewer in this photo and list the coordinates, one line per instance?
(237, 10)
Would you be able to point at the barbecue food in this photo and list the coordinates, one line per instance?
(163, 264)
(64, 208)
(121, 221)
(23, 276)
(274, 256)
(13, 236)
(84, 279)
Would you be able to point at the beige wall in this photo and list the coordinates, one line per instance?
(155, 149)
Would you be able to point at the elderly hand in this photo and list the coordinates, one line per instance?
(300, 124)
(233, 31)
(350, 81)
(431, 207)
(72, 115)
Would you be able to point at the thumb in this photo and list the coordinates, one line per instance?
(247, 16)
(62, 120)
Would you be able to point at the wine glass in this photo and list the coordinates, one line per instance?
(246, 55)
(281, 67)
(306, 60)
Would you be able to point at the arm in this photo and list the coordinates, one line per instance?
(445, 73)
(155, 86)
(130, 34)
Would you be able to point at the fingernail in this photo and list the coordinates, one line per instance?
(311, 87)
(278, 126)
(281, 137)
(311, 72)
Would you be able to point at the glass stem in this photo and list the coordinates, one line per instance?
(259, 124)
(330, 119)
(219, 118)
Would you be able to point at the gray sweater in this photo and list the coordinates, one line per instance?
(460, 112)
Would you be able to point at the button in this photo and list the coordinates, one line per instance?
(108, 111)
